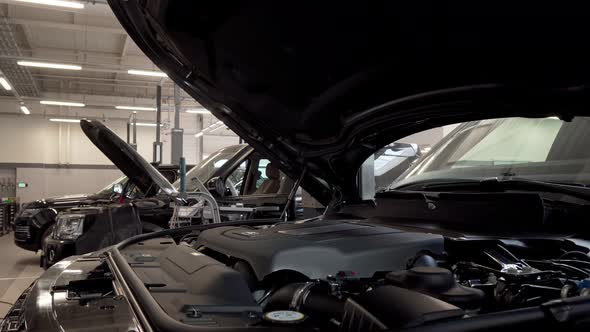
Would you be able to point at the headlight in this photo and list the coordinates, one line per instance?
(68, 226)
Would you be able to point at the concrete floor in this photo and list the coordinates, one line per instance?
(18, 269)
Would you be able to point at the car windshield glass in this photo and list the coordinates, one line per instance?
(390, 161)
(206, 168)
(543, 149)
(109, 189)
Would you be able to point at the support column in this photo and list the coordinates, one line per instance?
(158, 143)
(134, 125)
(176, 132)
(200, 139)
(128, 132)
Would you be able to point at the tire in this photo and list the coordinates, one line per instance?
(45, 263)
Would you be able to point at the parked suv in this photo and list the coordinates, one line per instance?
(146, 202)
(36, 219)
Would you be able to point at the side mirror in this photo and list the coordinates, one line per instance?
(216, 185)
(117, 188)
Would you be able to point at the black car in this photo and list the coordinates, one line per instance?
(486, 232)
(251, 188)
(36, 219)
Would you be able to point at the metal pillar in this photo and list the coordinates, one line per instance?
(176, 132)
(128, 132)
(158, 143)
(200, 139)
(182, 175)
(134, 124)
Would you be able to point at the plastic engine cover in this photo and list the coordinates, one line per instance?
(320, 248)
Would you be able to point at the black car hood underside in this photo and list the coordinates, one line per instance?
(323, 86)
(129, 161)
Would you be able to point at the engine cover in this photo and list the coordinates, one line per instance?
(320, 248)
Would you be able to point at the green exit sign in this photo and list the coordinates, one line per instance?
(22, 185)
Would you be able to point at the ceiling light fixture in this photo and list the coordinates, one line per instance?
(217, 123)
(64, 120)
(48, 65)
(215, 129)
(25, 110)
(57, 3)
(5, 84)
(135, 108)
(210, 128)
(146, 73)
(61, 103)
(146, 124)
(198, 111)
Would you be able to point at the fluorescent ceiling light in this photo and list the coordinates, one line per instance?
(64, 120)
(25, 110)
(48, 65)
(146, 124)
(215, 129)
(61, 103)
(146, 73)
(217, 123)
(198, 111)
(5, 84)
(210, 128)
(135, 108)
(57, 3)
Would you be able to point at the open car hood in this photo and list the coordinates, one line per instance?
(131, 163)
(324, 86)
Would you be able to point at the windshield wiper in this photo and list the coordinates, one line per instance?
(497, 185)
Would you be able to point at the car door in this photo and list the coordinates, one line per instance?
(255, 188)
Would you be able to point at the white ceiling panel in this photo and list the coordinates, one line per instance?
(92, 38)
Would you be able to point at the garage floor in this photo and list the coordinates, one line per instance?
(18, 268)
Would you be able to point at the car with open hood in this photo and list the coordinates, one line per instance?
(487, 231)
(246, 186)
(35, 220)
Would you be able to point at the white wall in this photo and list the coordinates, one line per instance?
(35, 140)
(51, 182)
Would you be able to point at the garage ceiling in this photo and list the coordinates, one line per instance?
(91, 38)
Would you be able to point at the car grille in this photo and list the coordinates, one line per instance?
(22, 233)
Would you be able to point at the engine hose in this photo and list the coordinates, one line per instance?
(570, 290)
(309, 298)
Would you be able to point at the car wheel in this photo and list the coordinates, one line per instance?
(45, 262)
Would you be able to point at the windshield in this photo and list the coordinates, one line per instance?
(109, 189)
(206, 168)
(544, 149)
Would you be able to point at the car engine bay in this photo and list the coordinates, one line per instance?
(345, 275)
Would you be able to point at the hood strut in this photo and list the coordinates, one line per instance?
(292, 194)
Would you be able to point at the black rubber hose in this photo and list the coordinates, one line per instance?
(313, 299)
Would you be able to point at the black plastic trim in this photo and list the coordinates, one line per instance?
(151, 313)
